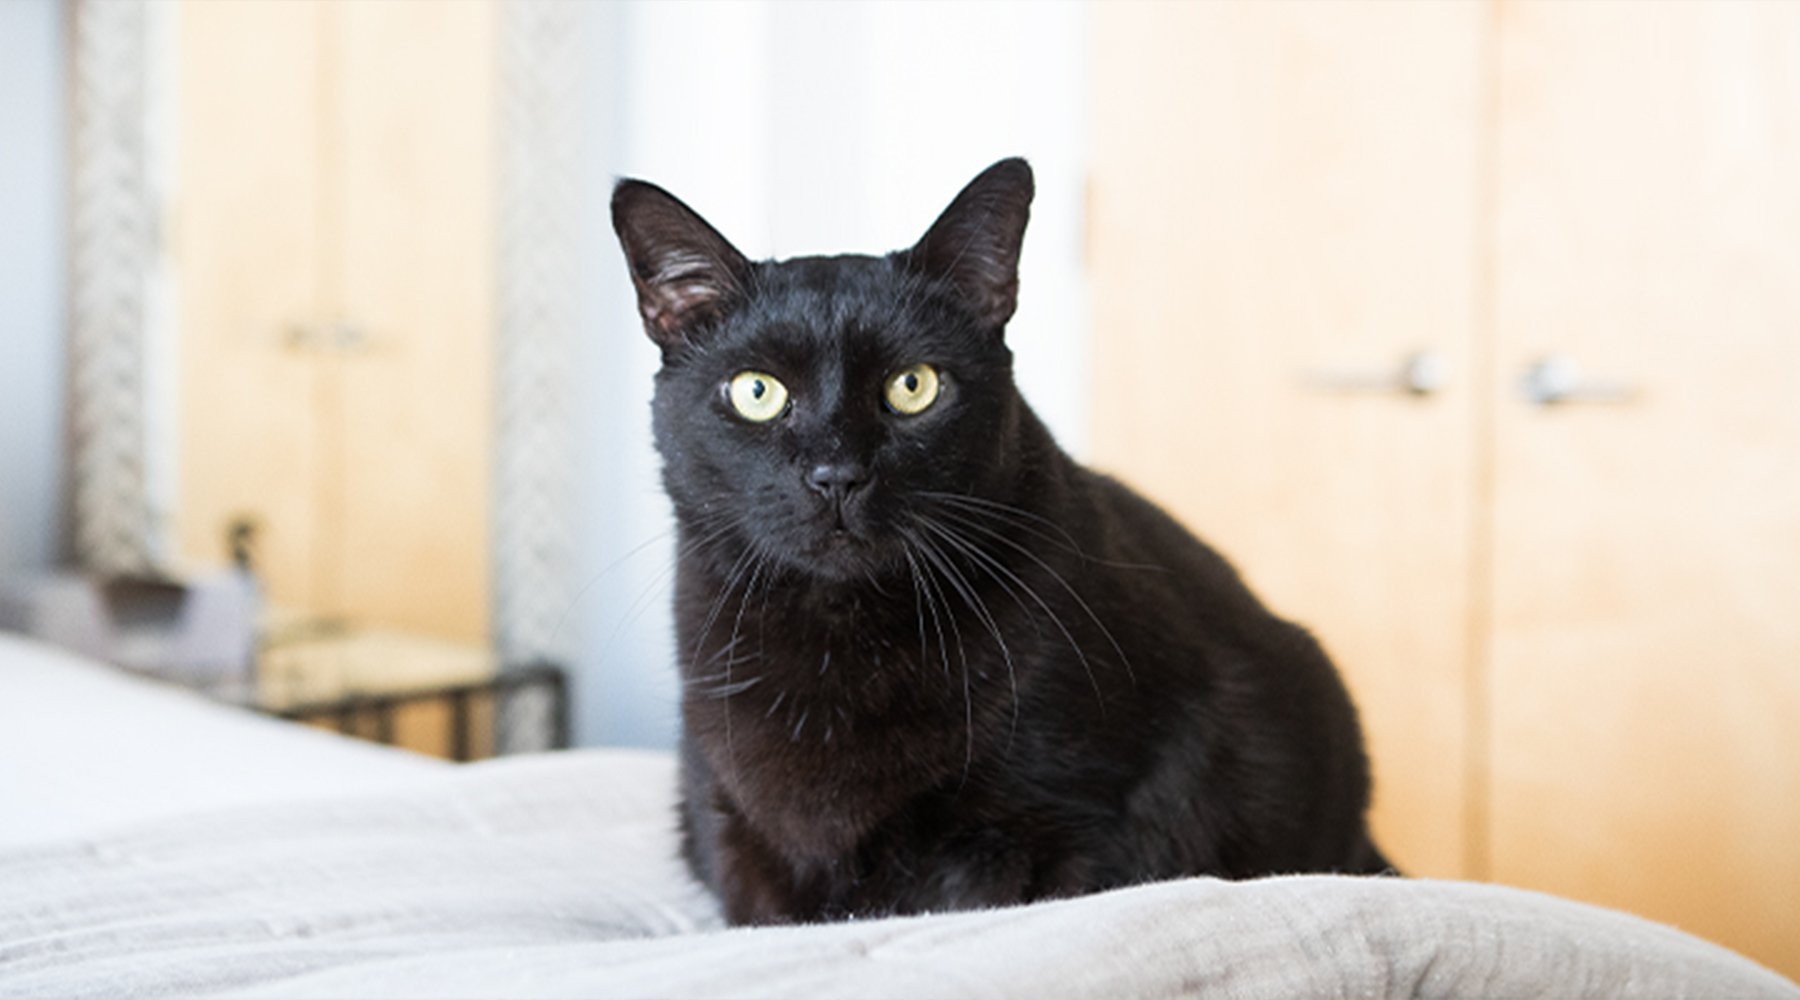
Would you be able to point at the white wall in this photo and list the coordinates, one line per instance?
(800, 128)
(32, 285)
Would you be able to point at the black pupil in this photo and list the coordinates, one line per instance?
(912, 382)
(757, 388)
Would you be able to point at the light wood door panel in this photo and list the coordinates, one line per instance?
(1282, 191)
(1646, 656)
(245, 243)
(416, 154)
(336, 179)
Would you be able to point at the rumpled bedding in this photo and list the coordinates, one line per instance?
(84, 747)
(557, 876)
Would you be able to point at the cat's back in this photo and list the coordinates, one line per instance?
(1183, 602)
(1132, 545)
(1243, 699)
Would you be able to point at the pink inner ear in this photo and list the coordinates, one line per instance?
(683, 270)
(683, 288)
(673, 306)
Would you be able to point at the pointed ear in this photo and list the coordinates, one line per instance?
(687, 275)
(975, 244)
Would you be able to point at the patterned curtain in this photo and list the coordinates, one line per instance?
(534, 486)
(113, 243)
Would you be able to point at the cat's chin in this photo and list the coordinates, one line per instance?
(842, 556)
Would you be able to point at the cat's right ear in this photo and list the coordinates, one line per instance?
(687, 275)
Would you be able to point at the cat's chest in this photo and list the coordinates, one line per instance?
(817, 728)
(815, 701)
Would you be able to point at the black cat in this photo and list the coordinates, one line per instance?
(930, 662)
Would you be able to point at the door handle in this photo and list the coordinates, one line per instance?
(341, 337)
(301, 337)
(1419, 374)
(349, 338)
(1557, 378)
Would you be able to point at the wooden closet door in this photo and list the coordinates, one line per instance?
(1646, 653)
(413, 154)
(245, 242)
(1285, 196)
(335, 259)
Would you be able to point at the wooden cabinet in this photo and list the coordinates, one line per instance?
(1570, 625)
(332, 250)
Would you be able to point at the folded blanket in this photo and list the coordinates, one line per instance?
(557, 876)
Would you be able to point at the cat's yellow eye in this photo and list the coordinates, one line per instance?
(911, 390)
(758, 396)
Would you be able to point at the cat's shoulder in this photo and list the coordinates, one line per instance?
(1128, 527)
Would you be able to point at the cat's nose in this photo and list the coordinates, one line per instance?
(836, 480)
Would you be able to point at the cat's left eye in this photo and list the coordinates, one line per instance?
(912, 390)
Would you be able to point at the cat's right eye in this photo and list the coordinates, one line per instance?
(757, 396)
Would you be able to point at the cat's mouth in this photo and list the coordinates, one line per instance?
(841, 553)
(840, 535)
(842, 544)
(842, 519)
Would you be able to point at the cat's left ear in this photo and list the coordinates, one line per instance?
(687, 275)
(975, 244)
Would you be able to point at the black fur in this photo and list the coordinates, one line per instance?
(974, 673)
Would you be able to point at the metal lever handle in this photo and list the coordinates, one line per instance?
(1557, 378)
(1420, 374)
(342, 336)
(301, 337)
(348, 337)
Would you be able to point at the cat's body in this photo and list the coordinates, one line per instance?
(931, 662)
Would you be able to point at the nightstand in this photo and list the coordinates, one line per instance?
(429, 695)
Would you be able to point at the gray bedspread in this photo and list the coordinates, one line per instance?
(555, 876)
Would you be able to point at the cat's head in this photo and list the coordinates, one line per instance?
(808, 408)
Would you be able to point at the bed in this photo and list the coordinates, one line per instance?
(155, 844)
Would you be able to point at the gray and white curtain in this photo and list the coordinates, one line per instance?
(534, 461)
(113, 247)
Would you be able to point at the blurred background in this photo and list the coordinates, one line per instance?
(1469, 331)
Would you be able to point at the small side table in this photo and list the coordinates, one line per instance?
(430, 695)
